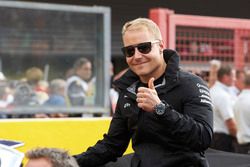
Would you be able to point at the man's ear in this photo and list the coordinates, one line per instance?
(161, 47)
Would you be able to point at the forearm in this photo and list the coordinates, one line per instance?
(231, 125)
(94, 156)
(113, 145)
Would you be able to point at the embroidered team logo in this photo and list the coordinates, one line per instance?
(126, 105)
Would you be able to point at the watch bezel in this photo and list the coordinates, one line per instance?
(160, 108)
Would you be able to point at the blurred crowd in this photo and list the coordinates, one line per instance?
(230, 94)
(75, 90)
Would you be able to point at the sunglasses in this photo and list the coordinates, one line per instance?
(143, 48)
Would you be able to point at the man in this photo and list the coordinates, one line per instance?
(224, 123)
(77, 85)
(239, 83)
(213, 70)
(57, 96)
(166, 112)
(49, 157)
(242, 117)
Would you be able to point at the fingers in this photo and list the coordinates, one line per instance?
(147, 97)
(151, 83)
(140, 97)
(141, 102)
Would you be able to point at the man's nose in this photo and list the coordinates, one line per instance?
(137, 54)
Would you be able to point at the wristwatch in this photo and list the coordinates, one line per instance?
(160, 108)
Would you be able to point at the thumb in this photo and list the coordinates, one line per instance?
(151, 83)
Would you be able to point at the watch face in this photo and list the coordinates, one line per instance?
(160, 109)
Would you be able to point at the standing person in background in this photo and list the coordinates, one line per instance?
(214, 67)
(239, 83)
(224, 123)
(113, 94)
(242, 117)
(49, 157)
(166, 112)
(77, 84)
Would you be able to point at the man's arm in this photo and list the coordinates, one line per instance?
(113, 145)
(231, 125)
(193, 128)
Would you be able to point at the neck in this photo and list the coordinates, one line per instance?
(157, 74)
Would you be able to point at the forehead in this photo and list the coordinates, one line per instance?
(137, 34)
(86, 65)
(137, 28)
(39, 162)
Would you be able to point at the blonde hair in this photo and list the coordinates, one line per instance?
(138, 23)
(34, 74)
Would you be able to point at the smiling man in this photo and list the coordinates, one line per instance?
(165, 111)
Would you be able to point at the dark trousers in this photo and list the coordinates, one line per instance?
(243, 148)
(223, 142)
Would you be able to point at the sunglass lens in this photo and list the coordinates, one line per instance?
(144, 48)
(129, 51)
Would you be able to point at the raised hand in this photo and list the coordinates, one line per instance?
(147, 98)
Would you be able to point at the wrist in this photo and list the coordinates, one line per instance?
(160, 109)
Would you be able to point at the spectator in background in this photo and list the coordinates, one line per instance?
(214, 67)
(224, 123)
(33, 76)
(6, 95)
(32, 90)
(113, 94)
(239, 83)
(57, 96)
(49, 157)
(242, 117)
(77, 85)
(57, 93)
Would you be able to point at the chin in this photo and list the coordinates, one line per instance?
(141, 73)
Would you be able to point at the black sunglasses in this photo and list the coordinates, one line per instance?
(143, 48)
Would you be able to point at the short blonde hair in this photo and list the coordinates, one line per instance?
(143, 22)
(34, 74)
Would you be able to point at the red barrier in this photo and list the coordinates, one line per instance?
(200, 39)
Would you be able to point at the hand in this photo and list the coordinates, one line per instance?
(147, 98)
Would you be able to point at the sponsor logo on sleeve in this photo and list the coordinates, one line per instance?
(205, 95)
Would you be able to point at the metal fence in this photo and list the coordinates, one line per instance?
(52, 37)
